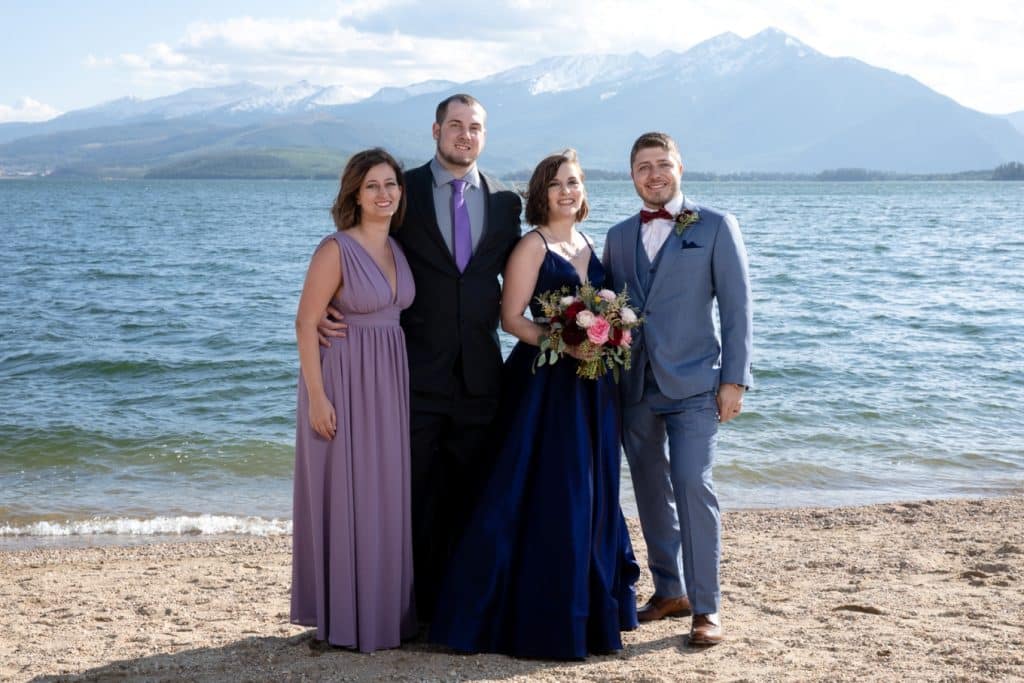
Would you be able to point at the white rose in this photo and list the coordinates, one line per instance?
(627, 316)
(567, 301)
(607, 294)
(585, 319)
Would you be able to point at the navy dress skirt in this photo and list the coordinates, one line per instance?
(545, 568)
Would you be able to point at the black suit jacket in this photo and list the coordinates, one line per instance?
(455, 313)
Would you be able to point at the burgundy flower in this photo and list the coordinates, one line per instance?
(573, 334)
(620, 337)
(614, 337)
(685, 219)
(570, 313)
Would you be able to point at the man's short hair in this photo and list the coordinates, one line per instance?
(442, 107)
(654, 139)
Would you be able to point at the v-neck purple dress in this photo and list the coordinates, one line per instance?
(352, 536)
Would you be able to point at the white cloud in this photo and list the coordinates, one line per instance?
(167, 56)
(27, 109)
(327, 52)
(94, 62)
(134, 61)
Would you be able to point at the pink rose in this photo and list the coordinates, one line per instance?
(627, 315)
(627, 338)
(607, 295)
(598, 332)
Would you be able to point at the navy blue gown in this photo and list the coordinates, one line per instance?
(545, 568)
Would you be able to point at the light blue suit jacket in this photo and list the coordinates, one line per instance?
(707, 262)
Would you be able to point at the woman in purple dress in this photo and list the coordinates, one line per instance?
(352, 543)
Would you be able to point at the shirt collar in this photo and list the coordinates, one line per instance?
(674, 206)
(443, 176)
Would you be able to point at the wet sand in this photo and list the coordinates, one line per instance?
(930, 590)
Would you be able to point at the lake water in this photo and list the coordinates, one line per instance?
(148, 364)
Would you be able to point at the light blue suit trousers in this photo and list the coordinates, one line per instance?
(675, 494)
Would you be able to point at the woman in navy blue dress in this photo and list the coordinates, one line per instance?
(546, 568)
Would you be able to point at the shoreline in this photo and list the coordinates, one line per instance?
(915, 590)
(188, 531)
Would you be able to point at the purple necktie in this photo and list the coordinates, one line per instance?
(462, 238)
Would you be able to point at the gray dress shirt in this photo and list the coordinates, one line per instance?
(443, 202)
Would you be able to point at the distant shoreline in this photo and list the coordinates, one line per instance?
(312, 164)
(592, 175)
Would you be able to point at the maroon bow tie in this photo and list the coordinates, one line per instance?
(648, 216)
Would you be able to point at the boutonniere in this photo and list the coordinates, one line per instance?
(685, 219)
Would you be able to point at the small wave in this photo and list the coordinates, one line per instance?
(157, 526)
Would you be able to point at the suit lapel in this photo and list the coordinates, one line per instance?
(668, 269)
(421, 196)
(629, 238)
(491, 231)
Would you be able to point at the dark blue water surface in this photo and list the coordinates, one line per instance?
(148, 365)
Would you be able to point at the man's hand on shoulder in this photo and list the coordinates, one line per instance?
(730, 401)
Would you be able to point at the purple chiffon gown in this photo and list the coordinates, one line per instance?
(352, 536)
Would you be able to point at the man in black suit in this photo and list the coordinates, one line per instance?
(451, 331)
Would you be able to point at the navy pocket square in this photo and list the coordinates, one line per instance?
(687, 244)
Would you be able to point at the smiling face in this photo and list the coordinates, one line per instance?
(566, 193)
(460, 136)
(379, 193)
(555, 193)
(657, 174)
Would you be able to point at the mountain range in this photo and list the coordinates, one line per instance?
(767, 103)
(1017, 119)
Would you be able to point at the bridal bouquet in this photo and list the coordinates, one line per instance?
(596, 322)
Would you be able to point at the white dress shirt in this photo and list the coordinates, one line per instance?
(654, 233)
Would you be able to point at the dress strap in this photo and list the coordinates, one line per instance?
(587, 240)
(540, 235)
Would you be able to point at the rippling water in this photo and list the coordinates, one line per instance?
(148, 368)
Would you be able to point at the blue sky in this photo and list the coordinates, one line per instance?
(58, 56)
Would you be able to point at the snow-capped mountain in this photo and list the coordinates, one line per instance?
(764, 103)
(332, 95)
(133, 109)
(728, 54)
(294, 97)
(719, 56)
(1017, 120)
(563, 74)
(189, 102)
(392, 95)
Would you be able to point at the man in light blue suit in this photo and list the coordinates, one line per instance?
(677, 259)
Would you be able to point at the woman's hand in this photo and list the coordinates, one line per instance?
(322, 416)
(575, 352)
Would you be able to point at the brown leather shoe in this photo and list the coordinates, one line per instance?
(659, 608)
(706, 630)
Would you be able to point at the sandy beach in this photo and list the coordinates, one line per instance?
(929, 591)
